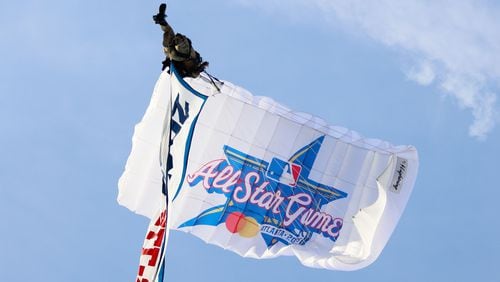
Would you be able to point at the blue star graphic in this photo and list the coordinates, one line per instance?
(297, 169)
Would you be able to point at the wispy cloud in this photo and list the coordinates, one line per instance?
(455, 45)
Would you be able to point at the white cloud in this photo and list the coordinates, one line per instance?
(423, 73)
(455, 44)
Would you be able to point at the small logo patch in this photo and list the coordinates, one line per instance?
(284, 172)
(399, 175)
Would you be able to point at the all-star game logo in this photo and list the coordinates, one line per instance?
(276, 199)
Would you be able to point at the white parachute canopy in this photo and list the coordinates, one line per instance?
(256, 178)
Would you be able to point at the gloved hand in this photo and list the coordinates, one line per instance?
(160, 17)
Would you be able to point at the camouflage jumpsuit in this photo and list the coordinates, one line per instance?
(180, 52)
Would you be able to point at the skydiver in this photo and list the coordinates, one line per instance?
(178, 49)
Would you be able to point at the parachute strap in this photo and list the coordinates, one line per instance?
(213, 79)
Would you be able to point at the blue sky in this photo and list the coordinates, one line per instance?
(75, 76)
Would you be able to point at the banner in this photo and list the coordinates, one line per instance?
(152, 260)
(183, 104)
